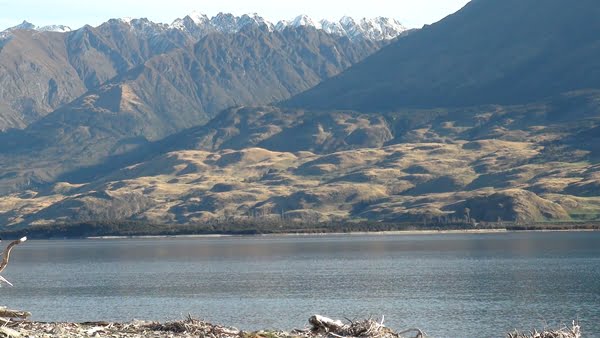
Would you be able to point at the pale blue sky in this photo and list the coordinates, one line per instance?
(76, 13)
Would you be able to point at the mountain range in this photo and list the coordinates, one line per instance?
(65, 66)
(480, 117)
(198, 25)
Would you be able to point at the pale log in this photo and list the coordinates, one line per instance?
(7, 313)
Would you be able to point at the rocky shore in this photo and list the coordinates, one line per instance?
(321, 327)
(190, 327)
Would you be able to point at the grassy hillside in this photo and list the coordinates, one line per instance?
(520, 164)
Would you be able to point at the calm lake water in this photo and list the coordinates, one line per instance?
(450, 285)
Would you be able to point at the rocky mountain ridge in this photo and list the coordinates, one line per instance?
(169, 92)
(25, 25)
(376, 29)
(65, 64)
(41, 70)
(198, 25)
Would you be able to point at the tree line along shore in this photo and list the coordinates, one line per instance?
(243, 227)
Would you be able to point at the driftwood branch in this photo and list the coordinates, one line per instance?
(8, 332)
(6, 257)
(367, 328)
(7, 313)
(419, 332)
(566, 332)
(196, 328)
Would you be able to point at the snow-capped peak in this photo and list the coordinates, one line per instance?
(305, 20)
(225, 22)
(198, 18)
(347, 21)
(282, 24)
(254, 20)
(126, 20)
(198, 25)
(25, 25)
(377, 29)
(381, 28)
(332, 27)
(55, 28)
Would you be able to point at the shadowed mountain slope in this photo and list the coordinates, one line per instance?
(41, 71)
(43, 68)
(490, 52)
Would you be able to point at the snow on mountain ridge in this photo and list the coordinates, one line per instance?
(198, 25)
(332, 27)
(199, 18)
(378, 29)
(305, 20)
(25, 25)
(55, 28)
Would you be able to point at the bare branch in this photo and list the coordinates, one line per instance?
(6, 257)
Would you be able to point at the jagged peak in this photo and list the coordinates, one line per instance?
(126, 19)
(55, 28)
(198, 17)
(378, 28)
(281, 25)
(198, 24)
(256, 20)
(347, 20)
(305, 20)
(25, 25)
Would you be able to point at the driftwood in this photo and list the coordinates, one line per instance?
(366, 328)
(323, 327)
(6, 257)
(566, 332)
(8, 332)
(6, 318)
(7, 313)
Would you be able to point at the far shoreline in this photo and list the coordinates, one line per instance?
(352, 233)
(142, 230)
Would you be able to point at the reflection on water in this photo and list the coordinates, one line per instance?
(451, 285)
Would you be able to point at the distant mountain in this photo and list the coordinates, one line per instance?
(491, 51)
(187, 87)
(198, 25)
(171, 92)
(25, 25)
(64, 66)
(42, 70)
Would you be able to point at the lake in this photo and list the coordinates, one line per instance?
(450, 285)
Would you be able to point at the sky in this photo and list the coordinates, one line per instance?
(76, 13)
